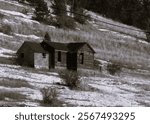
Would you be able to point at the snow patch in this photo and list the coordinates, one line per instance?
(4, 51)
(5, 35)
(7, 72)
(28, 20)
(104, 30)
(13, 3)
(28, 36)
(14, 13)
(142, 41)
(52, 27)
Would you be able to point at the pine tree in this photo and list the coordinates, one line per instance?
(42, 13)
(78, 11)
(59, 7)
(62, 19)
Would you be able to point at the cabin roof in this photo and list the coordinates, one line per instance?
(72, 47)
(34, 46)
(58, 46)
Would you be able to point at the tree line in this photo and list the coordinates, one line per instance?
(130, 12)
(68, 12)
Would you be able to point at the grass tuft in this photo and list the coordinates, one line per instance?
(70, 78)
(11, 95)
(50, 97)
(14, 83)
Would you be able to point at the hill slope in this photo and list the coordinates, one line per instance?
(112, 43)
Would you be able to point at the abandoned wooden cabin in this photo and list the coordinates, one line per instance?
(49, 55)
(32, 54)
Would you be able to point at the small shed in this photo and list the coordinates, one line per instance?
(32, 54)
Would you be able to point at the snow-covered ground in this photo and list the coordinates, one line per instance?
(6, 53)
(14, 13)
(116, 91)
(127, 90)
(37, 80)
(34, 37)
(123, 90)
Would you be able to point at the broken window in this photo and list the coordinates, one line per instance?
(81, 58)
(44, 55)
(59, 56)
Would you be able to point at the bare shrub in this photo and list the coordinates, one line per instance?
(25, 11)
(70, 78)
(114, 68)
(6, 29)
(50, 97)
(1, 16)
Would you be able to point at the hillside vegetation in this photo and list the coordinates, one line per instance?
(122, 44)
(110, 42)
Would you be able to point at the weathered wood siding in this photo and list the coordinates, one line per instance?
(88, 57)
(40, 61)
(63, 62)
(28, 59)
(51, 54)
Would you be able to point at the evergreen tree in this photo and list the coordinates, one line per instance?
(62, 19)
(42, 13)
(59, 7)
(78, 11)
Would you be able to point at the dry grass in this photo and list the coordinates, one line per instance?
(12, 7)
(70, 79)
(14, 83)
(108, 46)
(10, 61)
(11, 95)
(50, 97)
(6, 29)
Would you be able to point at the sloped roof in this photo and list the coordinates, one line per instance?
(58, 46)
(72, 47)
(34, 46)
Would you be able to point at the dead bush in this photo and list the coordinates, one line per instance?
(114, 68)
(50, 97)
(1, 16)
(70, 78)
(25, 11)
(6, 29)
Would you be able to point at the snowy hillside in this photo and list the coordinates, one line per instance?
(20, 86)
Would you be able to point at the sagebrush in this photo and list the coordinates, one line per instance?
(70, 78)
(114, 68)
(50, 97)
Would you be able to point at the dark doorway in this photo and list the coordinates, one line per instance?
(59, 56)
(81, 58)
(51, 60)
(72, 61)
